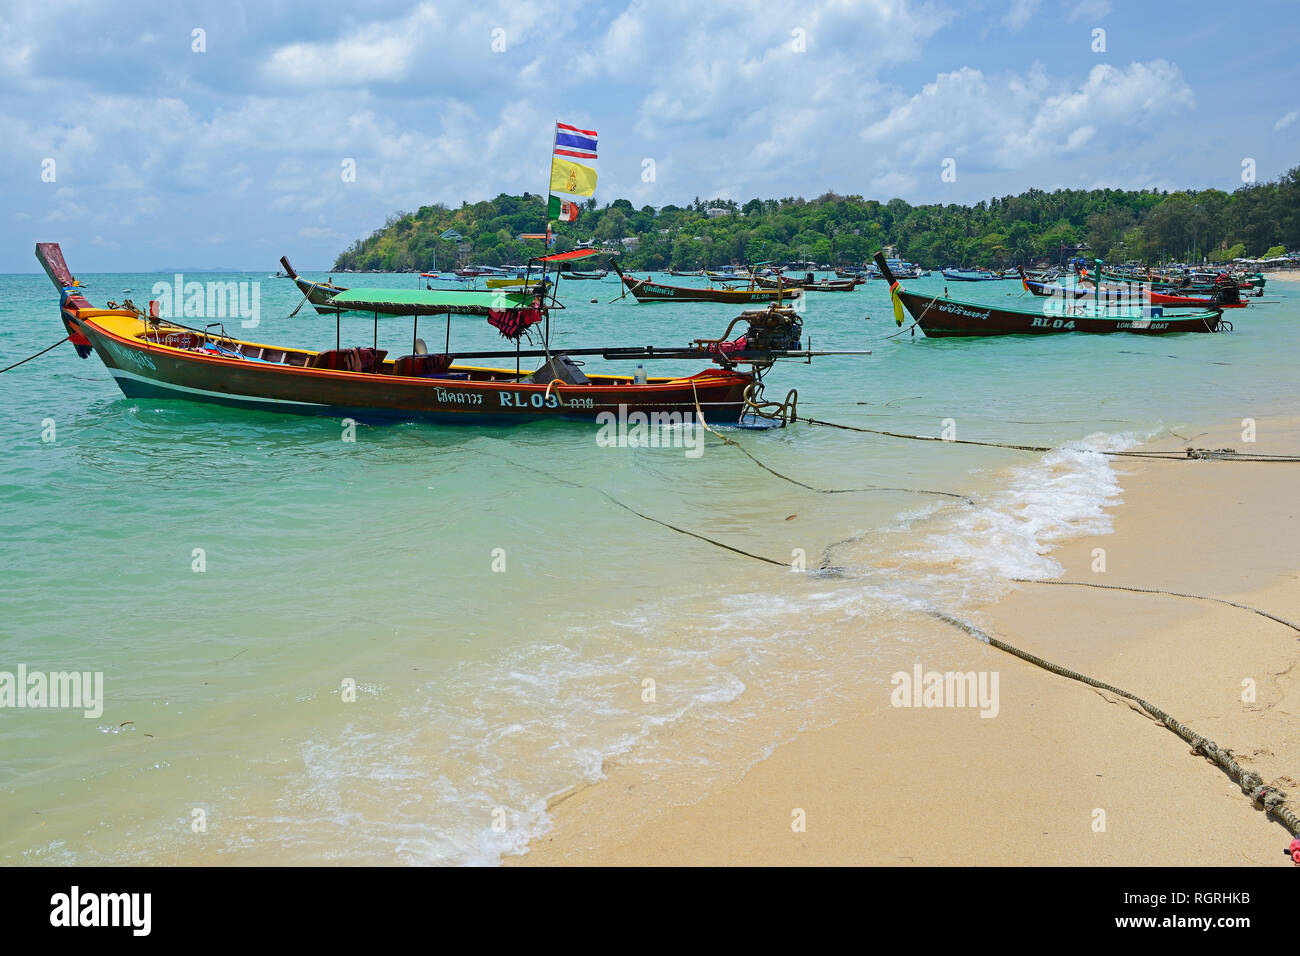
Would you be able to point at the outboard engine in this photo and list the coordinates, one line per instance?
(1226, 291)
(774, 329)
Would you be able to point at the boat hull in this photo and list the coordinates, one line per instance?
(945, 318)
(645, 291)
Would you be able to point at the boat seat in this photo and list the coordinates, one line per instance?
(351, 360)
(422, 365)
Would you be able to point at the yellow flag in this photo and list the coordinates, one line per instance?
(572, 178)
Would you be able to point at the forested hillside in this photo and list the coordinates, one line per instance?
(1114, 224)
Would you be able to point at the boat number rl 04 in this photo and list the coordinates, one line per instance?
(533, 400)
(1046, 323)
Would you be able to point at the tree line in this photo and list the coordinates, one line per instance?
(1035, 226)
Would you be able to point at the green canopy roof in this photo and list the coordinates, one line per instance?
(430, 302)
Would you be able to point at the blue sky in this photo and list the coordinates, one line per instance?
(166, 156)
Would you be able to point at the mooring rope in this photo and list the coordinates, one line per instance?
(699, 413)
(37, 355)
(626, 507)
(1190, 454)
(1269, 799)
(1199, 597)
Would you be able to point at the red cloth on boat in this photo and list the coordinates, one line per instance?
(513, 323)
(422, 366)
(351, 360)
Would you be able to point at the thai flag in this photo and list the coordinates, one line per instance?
(571, 141)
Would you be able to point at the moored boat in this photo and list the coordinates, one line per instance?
(317, 293)
(643, 290)
(154, 357)
(967, 275)
(940, 316)
(1225, 296)
(808, 284)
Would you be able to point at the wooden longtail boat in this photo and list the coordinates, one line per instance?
(317, 293)
(845, 285)
(1183, 286)
(940, 316)
(646, 291)
(155, 358)
(1223, 297)
(1193, 282)
(959, 275)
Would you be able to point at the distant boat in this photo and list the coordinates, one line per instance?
(317, 293)
(1226, 296)
(643, 290)
(808, 284)
(969, 275)
(900, 268)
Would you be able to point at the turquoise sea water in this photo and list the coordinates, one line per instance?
(481, 693)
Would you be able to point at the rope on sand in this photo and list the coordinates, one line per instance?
(1269, 799)
(1190, 454)
(1199, 597)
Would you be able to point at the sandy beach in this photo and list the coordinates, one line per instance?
(1064, 773)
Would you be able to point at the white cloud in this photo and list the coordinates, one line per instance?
(319, 232)
(1092, 10)
(1020, 13)
(1010, 121)
(1286, 121)
(377, 52)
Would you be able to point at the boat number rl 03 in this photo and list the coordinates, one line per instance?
(1046, 323)
(533, 400)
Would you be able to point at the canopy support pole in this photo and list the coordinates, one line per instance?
(338, 323)
(447, 349)
(376, 343)
(415, 332)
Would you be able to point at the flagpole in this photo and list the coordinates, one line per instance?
(546, 213)
(546, 244)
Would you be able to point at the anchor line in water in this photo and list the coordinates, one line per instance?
(794, 481)
(626, 507)
(37, 355)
